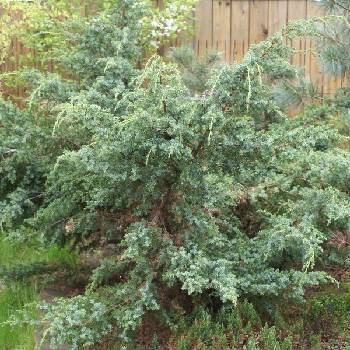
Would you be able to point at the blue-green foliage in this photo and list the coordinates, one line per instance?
(99, 67)
(333, 45)
(219, 194)
(215, 195)
(26, 153)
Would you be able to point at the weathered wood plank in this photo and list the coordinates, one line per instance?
(239, 29)
(277, 17)
(258, 20)
(222, 28)
(204, 27)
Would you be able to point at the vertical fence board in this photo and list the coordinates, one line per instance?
(331, 83)
(239, 29)
(222, 28)
(258, 21)
(277, 17)
(345, 82)
(204, 27)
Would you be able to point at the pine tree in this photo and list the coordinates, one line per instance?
(334, 42)
(331, 37)
(334, 52)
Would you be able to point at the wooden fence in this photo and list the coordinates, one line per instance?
(231, 26)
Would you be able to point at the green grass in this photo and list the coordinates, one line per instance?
(25, 253)
(13, 297)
